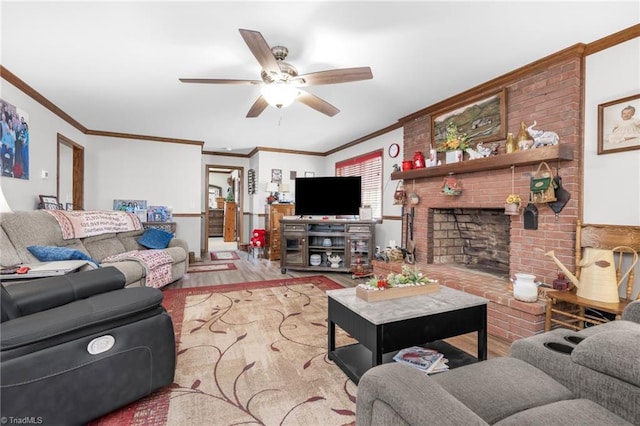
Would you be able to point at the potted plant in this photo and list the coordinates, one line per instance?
(455, 144)
(512, 204)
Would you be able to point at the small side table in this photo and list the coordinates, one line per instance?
(165, 226)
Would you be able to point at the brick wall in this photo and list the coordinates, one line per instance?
(549, 92)
(550, 95)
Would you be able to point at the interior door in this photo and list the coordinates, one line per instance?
(70, 173)
(225, 177)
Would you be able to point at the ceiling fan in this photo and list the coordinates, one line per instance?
(281, 84)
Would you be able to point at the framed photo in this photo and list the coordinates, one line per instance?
(483, 119)
(49, 202)
(15, 155)
(309, 174)
(276, 175)
(129, 205)
(619, 125)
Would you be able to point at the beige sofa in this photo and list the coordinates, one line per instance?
(21, 229)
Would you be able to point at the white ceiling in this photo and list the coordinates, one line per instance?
(114, 66)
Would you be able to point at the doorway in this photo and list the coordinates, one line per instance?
(70, 174)
(221, 230)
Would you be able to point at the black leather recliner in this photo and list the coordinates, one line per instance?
(78, 346)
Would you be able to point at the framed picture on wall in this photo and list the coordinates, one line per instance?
(15, 154)
(276, 175)
(619, 125)
(482, 119)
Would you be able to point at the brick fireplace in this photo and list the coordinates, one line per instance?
(548, 91)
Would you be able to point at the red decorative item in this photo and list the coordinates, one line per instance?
(418, 160)
(407, 165)
(258, 238)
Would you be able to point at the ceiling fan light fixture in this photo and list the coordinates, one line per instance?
(279, 95)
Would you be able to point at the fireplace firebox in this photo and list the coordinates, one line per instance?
(474, 238)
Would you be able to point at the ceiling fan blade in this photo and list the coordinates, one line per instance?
(316, 103)
(261, 51)
(218, 81)
(343, 75)
(258, 106)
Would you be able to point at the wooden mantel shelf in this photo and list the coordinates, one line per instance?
(557, 152)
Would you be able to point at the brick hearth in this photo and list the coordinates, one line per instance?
(507, 318)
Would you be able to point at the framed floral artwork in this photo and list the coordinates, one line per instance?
(619, 125)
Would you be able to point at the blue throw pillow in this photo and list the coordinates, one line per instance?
(155, 238)
(51, 253)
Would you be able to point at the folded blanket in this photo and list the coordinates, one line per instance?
(87, 223)
(157, 264)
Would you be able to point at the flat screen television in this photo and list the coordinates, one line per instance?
(328, 196)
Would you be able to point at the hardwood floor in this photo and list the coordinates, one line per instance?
(252, 269)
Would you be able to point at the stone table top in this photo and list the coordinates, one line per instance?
(386, 311)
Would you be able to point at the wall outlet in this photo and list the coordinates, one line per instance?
(44, 174)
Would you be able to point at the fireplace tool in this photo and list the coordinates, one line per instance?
(410, 250)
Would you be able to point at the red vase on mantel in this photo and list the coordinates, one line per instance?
(407, 165)
(418, 160)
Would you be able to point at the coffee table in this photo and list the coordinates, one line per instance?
(382, 328)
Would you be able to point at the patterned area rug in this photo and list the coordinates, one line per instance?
(250, 353)
(224, 255)
(211, 267)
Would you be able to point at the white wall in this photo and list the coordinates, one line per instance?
(287, 163)
(161, 173)
(44, 127)
(611, 181)
(389, 229)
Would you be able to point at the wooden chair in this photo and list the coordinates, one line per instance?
(565, 308)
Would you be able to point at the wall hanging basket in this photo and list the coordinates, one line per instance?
(543, 185)
(400, 196)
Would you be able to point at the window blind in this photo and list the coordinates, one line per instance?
(369, 168)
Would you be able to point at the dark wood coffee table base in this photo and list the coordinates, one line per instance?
(379, 343)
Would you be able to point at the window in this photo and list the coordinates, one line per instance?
(369, 168)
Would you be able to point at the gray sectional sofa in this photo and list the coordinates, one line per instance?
(561, 377)
(21, 229)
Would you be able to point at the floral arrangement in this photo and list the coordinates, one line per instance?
(513, 199)
(455, 140)
(407, 278)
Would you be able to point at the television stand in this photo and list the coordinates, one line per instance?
(329, 245)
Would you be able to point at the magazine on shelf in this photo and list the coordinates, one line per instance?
(421, 358)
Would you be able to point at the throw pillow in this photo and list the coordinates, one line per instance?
(51, 253)
(155, 238)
